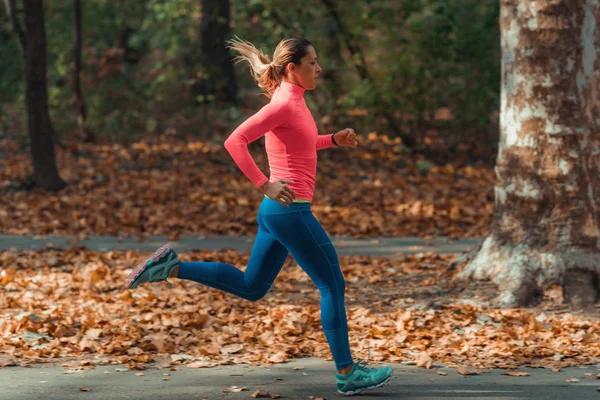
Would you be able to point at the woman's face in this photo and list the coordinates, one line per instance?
(307, 72)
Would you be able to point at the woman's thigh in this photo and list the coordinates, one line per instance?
(309, 244)
(266, 258)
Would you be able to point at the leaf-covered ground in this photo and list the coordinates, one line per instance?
(176, 187)
(62, 304)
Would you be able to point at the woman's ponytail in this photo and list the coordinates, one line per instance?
(261, 67)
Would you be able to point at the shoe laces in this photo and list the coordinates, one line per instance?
(363, 365)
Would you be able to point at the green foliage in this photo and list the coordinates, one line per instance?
(141, 60)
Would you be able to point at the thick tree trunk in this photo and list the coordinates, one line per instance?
(546, 222)
(219, 78)
(80, 109)
(39, 124)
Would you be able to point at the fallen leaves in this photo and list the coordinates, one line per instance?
(175, 187)
(408, 313)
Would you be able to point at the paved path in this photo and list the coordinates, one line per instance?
(316, 379)
(388, 247)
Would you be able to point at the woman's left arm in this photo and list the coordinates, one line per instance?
(325, 141)
(345, 137)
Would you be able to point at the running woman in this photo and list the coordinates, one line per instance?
(285, 221)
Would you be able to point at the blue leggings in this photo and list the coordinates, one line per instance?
(282, 229)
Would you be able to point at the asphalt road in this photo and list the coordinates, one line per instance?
(48, 382)
(386, 247)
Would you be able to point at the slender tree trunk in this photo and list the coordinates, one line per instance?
(39, 124)
(16, 25)
(546, 222)
(334, 53)
(80, 108)
(219, 78)
(360, 64)
(358, 57)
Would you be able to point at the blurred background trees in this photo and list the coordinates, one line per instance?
(419, 69)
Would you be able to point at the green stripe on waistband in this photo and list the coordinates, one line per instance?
(295, 200)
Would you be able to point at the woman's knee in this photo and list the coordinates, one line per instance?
(256, 295)
(335, 287)
(340, 282)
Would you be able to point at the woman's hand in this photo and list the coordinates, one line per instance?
(346, 137)
(279, 191)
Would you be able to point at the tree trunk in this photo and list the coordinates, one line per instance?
(219, 77)
(360, 63)
(16, 25)
(358, 57)
(545, 229)
(80, 109)
(39, 124)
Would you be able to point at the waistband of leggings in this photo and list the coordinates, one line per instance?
(268, 206)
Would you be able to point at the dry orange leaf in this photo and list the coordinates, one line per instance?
(7, 362)
(258, 394)
(200, 364)
(231, 349)
(464, 370)
(516, 373)
(234, 389)
(423, 360)
(279, 357)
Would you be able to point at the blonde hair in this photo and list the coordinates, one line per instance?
(265, 72)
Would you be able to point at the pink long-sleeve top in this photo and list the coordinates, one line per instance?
(291, 141)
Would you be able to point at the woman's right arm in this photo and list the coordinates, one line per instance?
(268, 118)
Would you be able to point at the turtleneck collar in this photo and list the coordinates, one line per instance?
(293, 88)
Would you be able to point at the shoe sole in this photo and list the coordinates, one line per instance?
(141, 267)
(346, 394)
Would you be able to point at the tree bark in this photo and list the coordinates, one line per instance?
(545, 229)
(80, 108)
(219, 78)
(38, 117)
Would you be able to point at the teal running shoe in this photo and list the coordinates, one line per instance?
(362, 378)
(155, 269)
